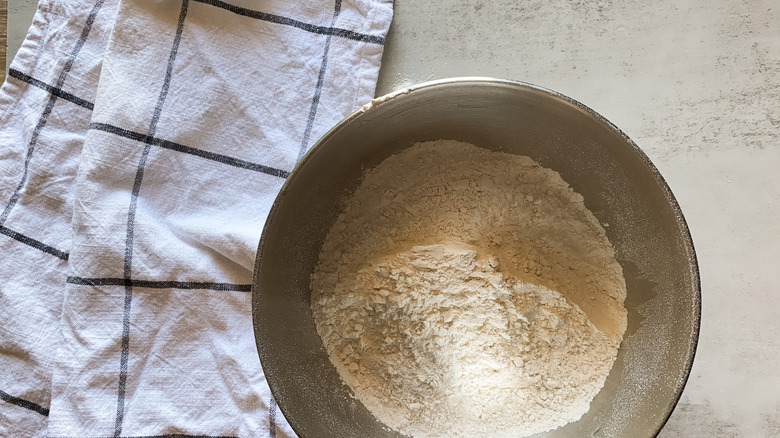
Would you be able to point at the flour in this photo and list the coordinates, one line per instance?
(463, 292)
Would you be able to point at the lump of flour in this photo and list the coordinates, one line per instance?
(463, 292)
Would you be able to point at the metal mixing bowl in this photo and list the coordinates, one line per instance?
(620, 185)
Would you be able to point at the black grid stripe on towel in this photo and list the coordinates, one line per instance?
(35, 407)
(278, 19)
(33, 243)
(150, 140)
(51, 89)
(128, 261)
(157, 284)
(315, 100)
(272, 417)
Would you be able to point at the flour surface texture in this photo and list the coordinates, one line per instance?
(469, 293)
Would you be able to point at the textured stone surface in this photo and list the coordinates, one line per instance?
(697, 85)
(20, 15)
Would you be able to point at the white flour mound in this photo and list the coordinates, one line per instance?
(464, 292)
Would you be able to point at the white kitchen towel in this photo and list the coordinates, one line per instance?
(200, 109)
(45, 107)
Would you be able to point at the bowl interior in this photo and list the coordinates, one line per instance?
(620, 186)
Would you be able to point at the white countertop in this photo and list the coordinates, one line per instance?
(696, 84)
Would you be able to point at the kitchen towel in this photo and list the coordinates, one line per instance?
(143, 142)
